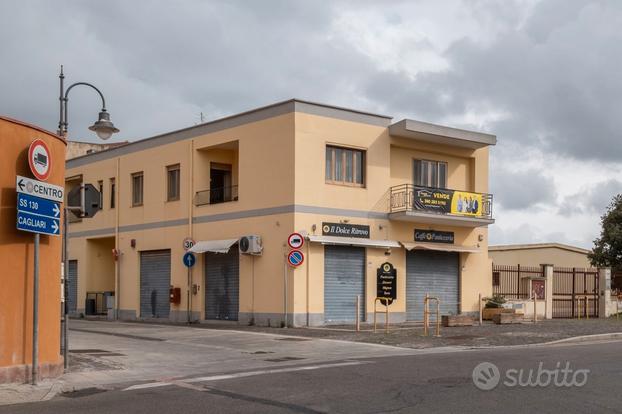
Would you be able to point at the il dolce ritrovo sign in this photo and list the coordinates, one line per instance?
(345, 230)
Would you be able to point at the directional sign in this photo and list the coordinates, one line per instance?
(39, 159)
(295, 258)
(37, 224)
(295, 240)
(39, 189)
(189, 259)
(40, 206)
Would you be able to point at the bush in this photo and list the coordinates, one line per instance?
(496, 301)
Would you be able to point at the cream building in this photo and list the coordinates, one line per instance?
(557, 254)
(361, 189)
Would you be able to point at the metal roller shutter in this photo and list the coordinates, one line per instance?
(72, 285)
(435, 273)
(222, 290)
(344, 279)
(155, 281)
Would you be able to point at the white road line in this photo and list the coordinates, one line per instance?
(244, 374)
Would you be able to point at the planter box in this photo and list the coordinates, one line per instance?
(507, 318)
(489, 313)
(456, 320)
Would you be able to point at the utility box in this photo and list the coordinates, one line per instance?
(175, 295)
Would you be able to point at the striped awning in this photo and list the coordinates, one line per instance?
(214, 246)
(442, 247)
(353, 241)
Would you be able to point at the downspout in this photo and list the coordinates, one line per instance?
(190, 214)
(117, 206)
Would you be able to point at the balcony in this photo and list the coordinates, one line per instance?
(216, 195)
(440, 206)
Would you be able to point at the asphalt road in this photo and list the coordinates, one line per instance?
(421, 383)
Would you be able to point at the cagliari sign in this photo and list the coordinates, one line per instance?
(448, 201)
(345, 230)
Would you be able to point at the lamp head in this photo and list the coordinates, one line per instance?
(104, 128)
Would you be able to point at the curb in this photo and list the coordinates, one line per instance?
(586, 338)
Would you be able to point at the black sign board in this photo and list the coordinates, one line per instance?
(92, 200)
(386, 283)
(433, 236)
(345, 230)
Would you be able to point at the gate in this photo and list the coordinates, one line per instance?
(570, 284)
(512, 282)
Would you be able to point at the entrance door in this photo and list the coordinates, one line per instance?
(222, 285)
(72, 287)
(155, 281)
(344, 279)
(434, 273)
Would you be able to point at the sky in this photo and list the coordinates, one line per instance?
(543, 76)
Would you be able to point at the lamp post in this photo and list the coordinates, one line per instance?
(104, 128)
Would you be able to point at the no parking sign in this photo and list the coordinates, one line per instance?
(295, 258)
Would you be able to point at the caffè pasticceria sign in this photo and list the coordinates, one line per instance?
(434, 236)
(345, 230)
(386, 283)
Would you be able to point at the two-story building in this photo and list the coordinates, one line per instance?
(361, 189)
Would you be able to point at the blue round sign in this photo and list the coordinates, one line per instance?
(189, 259)
(295, 258)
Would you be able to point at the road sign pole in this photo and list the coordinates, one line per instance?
(35, 313)
(66, 290)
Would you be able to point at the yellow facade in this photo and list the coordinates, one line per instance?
(276, 156)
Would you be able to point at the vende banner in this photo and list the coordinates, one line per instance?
(448, 201)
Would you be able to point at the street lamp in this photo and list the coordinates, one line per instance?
(104, 128)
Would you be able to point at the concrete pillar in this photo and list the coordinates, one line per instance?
(604, 304)
(547, 272)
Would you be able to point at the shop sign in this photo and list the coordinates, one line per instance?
(448, 202)
(345, 230)
(386, 283)
(433, 236)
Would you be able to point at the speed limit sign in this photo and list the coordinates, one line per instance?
(188, 243)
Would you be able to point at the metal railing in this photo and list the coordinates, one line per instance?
(216, 195)
(402, 198)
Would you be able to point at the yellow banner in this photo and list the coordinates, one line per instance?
(465, 203)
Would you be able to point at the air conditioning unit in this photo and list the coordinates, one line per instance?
(251, 245)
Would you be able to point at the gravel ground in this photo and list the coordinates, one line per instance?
(488, 334)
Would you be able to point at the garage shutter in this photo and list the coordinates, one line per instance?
(435, 273)
(222, 290)
(155, 281)
(344, 278)
(72, 285)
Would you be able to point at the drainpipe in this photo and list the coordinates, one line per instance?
(190, 214)
(117, 206)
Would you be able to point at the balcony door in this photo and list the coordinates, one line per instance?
(430, 173)
(220, 182)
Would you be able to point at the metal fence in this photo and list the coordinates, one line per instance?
(216, 195)
(570, 288)
(512, 282)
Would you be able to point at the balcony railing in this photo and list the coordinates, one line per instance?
(442, 201)
(216, 195)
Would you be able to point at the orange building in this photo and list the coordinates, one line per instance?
(16, 257)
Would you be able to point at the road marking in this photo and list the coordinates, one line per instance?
(243, 375)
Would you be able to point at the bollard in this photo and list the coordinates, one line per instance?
(535, 308)
(425, 315)
(438, 319)
(481, 320)
(358, 315)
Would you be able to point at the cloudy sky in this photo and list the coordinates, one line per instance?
(544, 76)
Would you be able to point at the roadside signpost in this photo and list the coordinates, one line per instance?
(295, 258)
(188, 243)
(295, 240)
(39, 189)
(189, 259)
(86, 196)
(39, 159)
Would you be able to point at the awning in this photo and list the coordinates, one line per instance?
(353, 241)
(440, 247)
(214, 246)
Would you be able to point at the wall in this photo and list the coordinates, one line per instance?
(16, 255)
(537, 256)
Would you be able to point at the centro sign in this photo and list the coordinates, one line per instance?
(39, 189)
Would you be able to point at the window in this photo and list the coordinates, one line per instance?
(172, 182)
(345, 166)
(137, 189)
(430, 173)
(112, 192)
(100, 184)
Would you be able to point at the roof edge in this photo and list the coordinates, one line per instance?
(32, 126)
(530, 246)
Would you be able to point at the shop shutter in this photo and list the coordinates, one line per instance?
(435, 273)
(222, 290)
(155, 281)
(72, 285)
(344, 279)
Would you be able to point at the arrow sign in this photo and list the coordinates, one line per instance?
(37, 224)
(38, 206)
(189, 259)
(39, 189)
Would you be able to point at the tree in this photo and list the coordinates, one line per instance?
(607, 251)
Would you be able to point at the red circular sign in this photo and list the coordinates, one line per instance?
(295, 258)
(39, 159)
(295, 240)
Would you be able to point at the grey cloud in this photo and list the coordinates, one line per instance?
(523, 189)
(591, 200)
